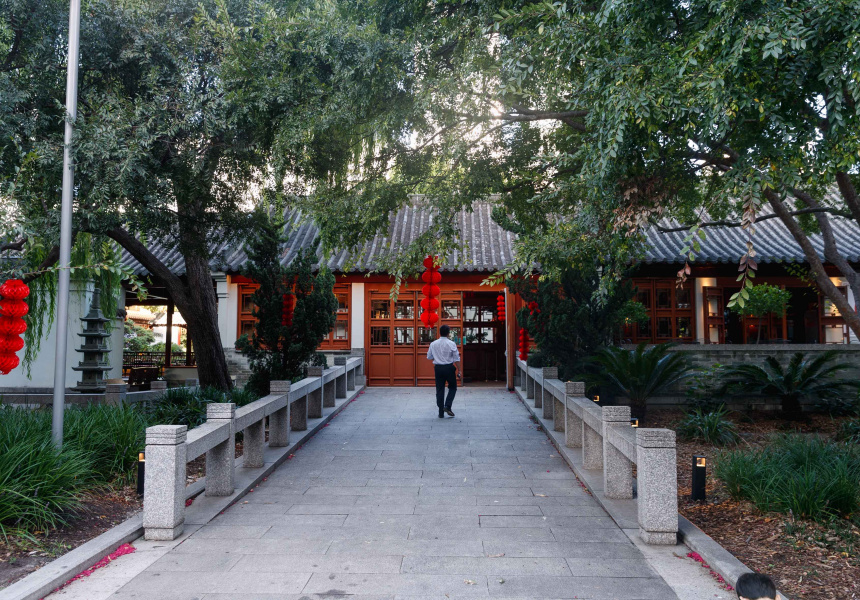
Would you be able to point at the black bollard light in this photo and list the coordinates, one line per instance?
(699, 476)
(141, 468)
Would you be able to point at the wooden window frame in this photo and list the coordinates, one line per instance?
(673, 312)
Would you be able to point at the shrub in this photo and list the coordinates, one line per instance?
(702, 389)
(187, 406)
(849, 432)
(816, 378)
(39, 486)
(111, 436)
(642, 373)
(804, 475)
(708, 426)
(838, 407)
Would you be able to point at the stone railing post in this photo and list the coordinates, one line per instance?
(340, 382)
(164, 482)
(350, 379)
(329, 391)
(299, 414)
(657, 486)
(279, 421)
(530, 386)
(617, 468)
(315, 398)
(592, 447)
(573, 424)
(115, 393)
(358, 353)
(547, 398)
(253, 442)
(221, 460)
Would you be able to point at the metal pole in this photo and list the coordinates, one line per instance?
(66, 225)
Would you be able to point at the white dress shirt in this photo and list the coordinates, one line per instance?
(443, 352)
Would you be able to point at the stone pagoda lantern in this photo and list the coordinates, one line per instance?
(95, 349)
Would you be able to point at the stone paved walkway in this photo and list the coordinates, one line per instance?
(390, 502)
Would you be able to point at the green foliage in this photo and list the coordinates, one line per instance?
(278, 351)
(849, 431)
(642, 373)
(574, 321)
(759, 301)
(187, 406)
(708, 426)
(702, 388)
(137, 338)
(845, 406)
(807, 476)
(40, 487)
(815, 378)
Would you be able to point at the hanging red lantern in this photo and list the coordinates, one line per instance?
(11, 343)
(12, 326)
(429, 303)
(14, 289)
(13, 308)
(524, 344)
(500, 307)
(8, 361)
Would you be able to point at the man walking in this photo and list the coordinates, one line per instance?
(446, 364)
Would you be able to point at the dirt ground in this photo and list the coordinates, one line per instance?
(808, 561)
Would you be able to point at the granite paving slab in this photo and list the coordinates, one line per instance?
(391, 503)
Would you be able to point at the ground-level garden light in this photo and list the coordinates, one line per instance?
(597, 398)
(141, 472)
(634, 422)
(700, 465)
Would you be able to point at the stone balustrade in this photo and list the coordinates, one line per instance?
(169, 448)
(609, 443)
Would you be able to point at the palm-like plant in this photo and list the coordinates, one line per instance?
(643, 372)
(815, 378)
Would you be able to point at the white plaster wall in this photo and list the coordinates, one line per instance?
(840, 281)
(356, 311)
(41, 374)
(228, 310)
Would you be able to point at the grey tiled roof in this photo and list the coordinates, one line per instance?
(772, 240)
(486, 247)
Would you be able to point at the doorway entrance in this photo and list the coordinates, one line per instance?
(483, 352)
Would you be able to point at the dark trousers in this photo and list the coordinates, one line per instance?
(445, 373)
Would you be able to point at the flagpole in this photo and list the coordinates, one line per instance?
(66, 225)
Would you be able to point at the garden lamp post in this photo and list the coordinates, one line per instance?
(66, 225)
(700, 465)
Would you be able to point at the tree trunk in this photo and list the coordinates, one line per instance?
(827, 287)
(196, 302)
(203, 324)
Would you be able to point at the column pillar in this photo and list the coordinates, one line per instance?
(164, 482)
(617, 468)
(221, 460)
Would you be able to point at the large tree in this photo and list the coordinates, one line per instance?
(171, 145)
(594, 119)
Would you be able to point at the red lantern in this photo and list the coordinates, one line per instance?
(500, 307)
(8, 361)
(429, 318)
(430, 262)
(10, 343)
(431, 276)
(13, 308)
(14, 289)
(429, 303)
(12, 326)
(430, 290)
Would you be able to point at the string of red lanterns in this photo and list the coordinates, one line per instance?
(430, 303)
(13, 309)
(524, 344)
(500, 307)
(533, 308)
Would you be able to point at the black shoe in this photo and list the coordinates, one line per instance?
(450, 413)
(441, 416)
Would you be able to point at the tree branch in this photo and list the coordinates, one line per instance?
(17, 246)
(52, 257)
(849, 193)
(149, 261)
(794, 213)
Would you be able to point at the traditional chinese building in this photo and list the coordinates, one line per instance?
(394, 340)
